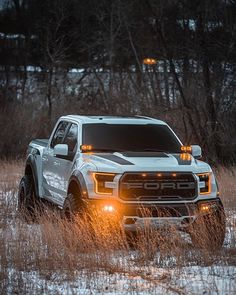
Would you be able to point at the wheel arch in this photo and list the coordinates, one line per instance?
(31, 170)
(77, 184)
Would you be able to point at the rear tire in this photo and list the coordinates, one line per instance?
(208, 232)
(28, 204)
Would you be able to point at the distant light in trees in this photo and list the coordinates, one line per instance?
(149, 61)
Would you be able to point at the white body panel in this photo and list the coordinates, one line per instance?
(54, 173)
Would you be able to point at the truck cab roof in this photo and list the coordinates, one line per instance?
(113, 119)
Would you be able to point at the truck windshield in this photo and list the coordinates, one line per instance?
(127, 137)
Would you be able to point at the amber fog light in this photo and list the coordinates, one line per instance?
(108, 208)
(204, 208)
(207, 207)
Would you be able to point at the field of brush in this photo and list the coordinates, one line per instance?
(53, 256)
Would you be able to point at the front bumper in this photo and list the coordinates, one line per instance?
(139, 215)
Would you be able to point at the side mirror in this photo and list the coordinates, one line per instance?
(60, 150)
(196, 151)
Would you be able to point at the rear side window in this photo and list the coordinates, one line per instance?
(71, 139)
(59, 134)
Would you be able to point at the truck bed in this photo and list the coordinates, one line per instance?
(41, 142)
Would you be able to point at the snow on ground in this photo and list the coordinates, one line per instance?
(219, 277)
(189, 280)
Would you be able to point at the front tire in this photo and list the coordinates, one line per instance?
(208, 231)
(73, 206)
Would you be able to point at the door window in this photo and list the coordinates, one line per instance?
(59, 134)
(71, 139)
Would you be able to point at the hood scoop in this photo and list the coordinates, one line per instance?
(114, 158)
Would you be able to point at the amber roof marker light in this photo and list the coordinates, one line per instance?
(186, 149)
(86, 148)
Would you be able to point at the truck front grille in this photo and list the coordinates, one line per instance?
(157, 186)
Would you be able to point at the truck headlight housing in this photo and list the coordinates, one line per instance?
(103, 182)
(204, 183)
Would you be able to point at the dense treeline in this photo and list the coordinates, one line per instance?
(78, 56)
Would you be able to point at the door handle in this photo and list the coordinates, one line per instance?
(56, 163)
(45, 159)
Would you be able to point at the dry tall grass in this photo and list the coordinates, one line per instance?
(227, 184)
(54, 256)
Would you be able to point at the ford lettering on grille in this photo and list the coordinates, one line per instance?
(135, 186)
(159, 185)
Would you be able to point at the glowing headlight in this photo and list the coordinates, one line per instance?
(103, 182)
(204, 183)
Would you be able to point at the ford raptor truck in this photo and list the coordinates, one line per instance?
(136, 166)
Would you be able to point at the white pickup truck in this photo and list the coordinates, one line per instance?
(136, 166)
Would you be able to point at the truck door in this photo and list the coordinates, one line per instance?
(65, 164)
(51, 182)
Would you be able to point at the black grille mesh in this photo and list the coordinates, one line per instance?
(155, 186)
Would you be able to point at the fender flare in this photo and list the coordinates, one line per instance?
(30, 162)
(78, 178)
